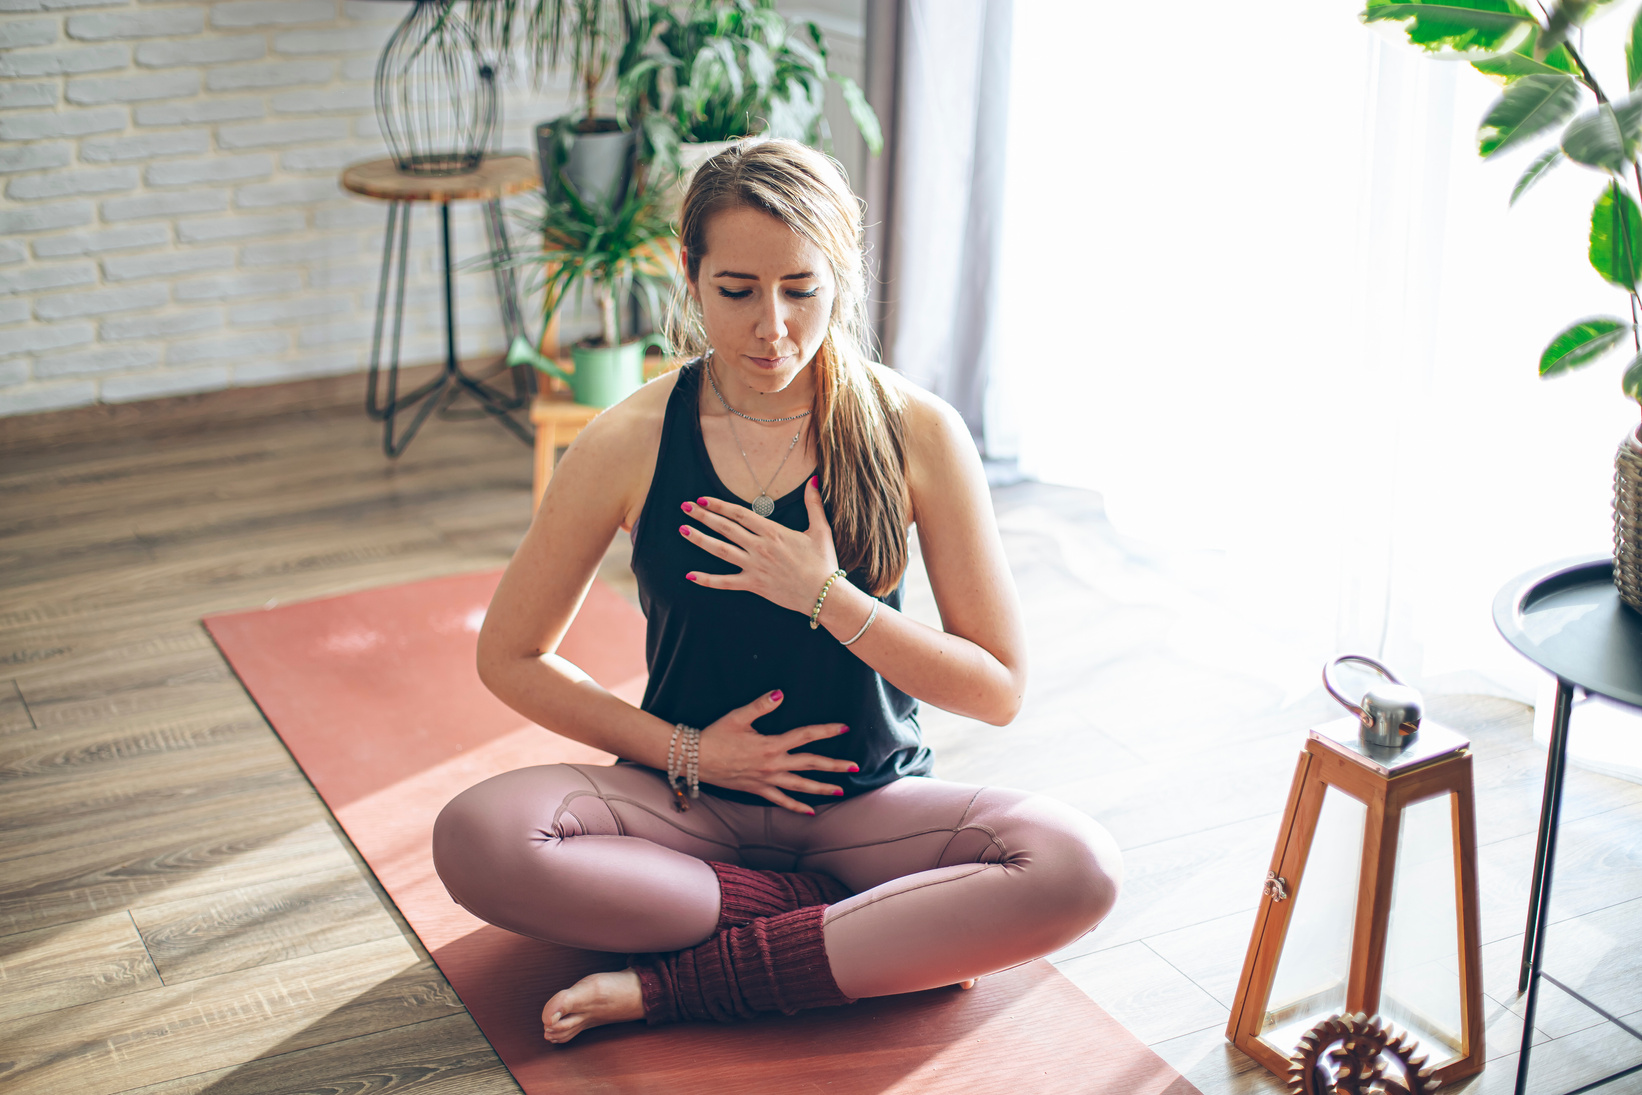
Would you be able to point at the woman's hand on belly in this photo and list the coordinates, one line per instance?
(781, 565)
(737, 756)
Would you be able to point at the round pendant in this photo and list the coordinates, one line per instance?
(763, 505)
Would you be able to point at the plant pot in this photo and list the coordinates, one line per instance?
(599, 162)
(1627, 520)
(602, 375)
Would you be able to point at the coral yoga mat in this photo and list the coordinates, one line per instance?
(376, 695)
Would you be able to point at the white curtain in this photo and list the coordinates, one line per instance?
(941, 280)
(1259, 291)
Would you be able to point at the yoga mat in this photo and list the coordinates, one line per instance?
(376, 696)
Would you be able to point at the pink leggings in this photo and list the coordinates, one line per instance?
(951, 881)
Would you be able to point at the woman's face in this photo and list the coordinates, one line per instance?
(766, 297)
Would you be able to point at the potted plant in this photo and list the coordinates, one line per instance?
(711, 71)
(1547, 83)
(592, 248)
(598, 39)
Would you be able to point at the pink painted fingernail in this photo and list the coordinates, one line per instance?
(811, 812)
(837, 790)
(815, 480)
(855, 767)
(843, 730)
(684, 529)
(701, 501)
(687, 507)
(776, 695)
(691, 577)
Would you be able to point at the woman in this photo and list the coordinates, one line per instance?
(821, 863)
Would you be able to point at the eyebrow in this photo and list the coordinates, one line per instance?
(805, 275)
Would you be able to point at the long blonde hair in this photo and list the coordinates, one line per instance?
(859, 426)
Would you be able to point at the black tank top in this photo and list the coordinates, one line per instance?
(713, 650)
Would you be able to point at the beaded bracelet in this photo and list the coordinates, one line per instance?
(815, 613)
(684, 766)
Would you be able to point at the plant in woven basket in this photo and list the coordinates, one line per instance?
(1551, 93)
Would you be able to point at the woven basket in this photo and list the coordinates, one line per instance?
(1627, 521)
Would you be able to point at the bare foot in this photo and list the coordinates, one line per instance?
(595, 1000)
(969, 984)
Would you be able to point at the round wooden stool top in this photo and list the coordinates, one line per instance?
(495, 177)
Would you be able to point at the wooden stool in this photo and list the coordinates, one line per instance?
(558, 419)
(492, 180)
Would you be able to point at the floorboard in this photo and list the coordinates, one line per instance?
(179, 914)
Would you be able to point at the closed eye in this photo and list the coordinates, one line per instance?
(738, 294)
(796, 295)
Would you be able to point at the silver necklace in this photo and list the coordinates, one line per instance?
(708, 365)
(763, 505)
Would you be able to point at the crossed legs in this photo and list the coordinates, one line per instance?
(949, 881)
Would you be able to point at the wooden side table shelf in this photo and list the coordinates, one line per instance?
(494, 179)
(558, 419)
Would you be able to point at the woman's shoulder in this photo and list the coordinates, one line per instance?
(639, 417)
(614, 455)
(928, 418)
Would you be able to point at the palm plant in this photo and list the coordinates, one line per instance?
(713, 70)
(595, 34)
(608, 251)
(1546, 83)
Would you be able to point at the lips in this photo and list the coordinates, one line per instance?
(768, 362)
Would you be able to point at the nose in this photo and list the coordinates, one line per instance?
(772, 320)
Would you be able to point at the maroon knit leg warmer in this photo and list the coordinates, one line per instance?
(746, 894)
(775, 963)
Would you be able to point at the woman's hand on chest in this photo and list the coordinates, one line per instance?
(782, 565)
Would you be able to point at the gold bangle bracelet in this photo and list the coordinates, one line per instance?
(815, 614)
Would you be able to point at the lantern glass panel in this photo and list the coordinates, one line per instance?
(1310, 982)
(1420, 989)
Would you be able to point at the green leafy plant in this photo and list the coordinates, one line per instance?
(713, 70)
(594, 35)
(1546, 84)
(590, 247)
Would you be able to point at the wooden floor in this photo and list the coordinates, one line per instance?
(180, 914)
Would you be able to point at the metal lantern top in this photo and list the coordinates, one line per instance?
(1390, 712)
(1389, 734)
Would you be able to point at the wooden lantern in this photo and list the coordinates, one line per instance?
(1370, 905)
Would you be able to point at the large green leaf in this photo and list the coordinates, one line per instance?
(1616, 237)
(1464, 25)
(1535, 172)
(1582, 344)
(1522, 62)
(1631, 382)
(862, 112)
(1529, 107)
(1633, 53)
(1606, 137)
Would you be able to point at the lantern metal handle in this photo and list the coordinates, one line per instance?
(1390, 714)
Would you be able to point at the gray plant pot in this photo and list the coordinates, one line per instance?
(599, 165)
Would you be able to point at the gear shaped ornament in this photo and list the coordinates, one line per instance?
(1358, 1055)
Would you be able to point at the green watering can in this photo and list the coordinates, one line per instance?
(603, 376)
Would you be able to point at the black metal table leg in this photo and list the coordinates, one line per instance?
(1539, 899)
(383, 401)
(1561, 711)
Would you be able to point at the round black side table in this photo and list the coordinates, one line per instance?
(1567, 617)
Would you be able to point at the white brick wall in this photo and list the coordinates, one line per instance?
(170, 219)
